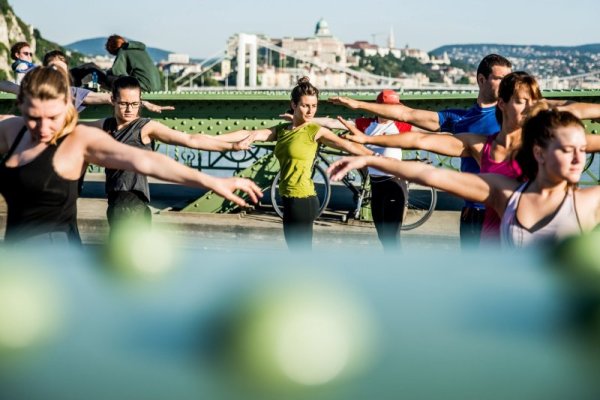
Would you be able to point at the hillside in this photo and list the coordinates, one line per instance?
(542, 61)
(13, 29)
(95, 47)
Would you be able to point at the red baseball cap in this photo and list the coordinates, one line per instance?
(388, 96)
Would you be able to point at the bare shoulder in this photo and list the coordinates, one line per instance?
(9, 129)
(85, 134)
(589, 194)
(587, 203)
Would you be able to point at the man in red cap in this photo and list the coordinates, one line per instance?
(480, 118)
(389, 194)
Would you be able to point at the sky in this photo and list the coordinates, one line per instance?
(200, 28)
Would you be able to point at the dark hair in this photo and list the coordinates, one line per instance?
(114, 43)
(538, 130)
(303, 88)
(53, 55)
(513, 83)
(16, 48)
(125, 82)
(490, 61)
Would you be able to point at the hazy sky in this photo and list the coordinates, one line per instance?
(201, 28)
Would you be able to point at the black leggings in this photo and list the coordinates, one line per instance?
(127, 206)
(388, 200)
(298, 217)
(471, 224)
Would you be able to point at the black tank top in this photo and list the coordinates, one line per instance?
(118, 180)
(39, 200)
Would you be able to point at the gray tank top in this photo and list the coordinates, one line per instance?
(565, 222)
(118, 180)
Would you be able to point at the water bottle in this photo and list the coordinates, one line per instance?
(94, 81)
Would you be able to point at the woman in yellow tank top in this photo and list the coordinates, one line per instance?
(296, 149)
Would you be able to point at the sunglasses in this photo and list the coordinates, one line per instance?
(27, 53)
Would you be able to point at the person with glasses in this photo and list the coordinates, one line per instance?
(23, 56)
(128, 192)
(46, 151)
(81, 97)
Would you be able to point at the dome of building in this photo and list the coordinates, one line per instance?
(322, 28)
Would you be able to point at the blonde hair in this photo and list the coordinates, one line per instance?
(47, 83)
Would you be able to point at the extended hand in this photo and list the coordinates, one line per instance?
(225, 187)
(244, 144)
(354, 135)
(286, 116)
(344, 101)
(156, 108)
(341, 167)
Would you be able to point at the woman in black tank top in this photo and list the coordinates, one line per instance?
(128, 192)
(46, 152)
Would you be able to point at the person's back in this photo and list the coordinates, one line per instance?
(133, 60)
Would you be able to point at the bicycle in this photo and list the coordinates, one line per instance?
(421, 200)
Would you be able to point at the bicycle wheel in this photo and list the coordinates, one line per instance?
(420, 205)
(322, 187)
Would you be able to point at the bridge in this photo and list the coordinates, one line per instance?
(217, 113)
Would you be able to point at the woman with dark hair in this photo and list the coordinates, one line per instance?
(547, 207)
(128, 192)
(494, 153)
(389, 194)
(46, 153)
(296, 149)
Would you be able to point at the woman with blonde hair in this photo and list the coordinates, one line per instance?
(46, 152)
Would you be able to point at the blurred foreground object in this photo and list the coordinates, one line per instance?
(266, 325)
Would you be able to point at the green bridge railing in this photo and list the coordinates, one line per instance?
(218, 112)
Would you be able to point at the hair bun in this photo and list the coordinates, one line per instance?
(304, 80)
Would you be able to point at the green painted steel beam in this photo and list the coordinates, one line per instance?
(217, 112)
(262, 172)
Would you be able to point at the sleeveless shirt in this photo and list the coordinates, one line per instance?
(118, 180)
(509, 168)
(39, 200)
(296, 150)
(563, 223)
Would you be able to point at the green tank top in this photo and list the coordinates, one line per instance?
(296, 150)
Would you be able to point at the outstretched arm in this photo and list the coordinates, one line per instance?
(580, 110)
(260, 135)
(326, 122)
(440, 143)
(592, 143)
(424, 119)
(9, 87)
(157, 131)
(101, 149)
(329, 138)
(491, 189)
(94, 98)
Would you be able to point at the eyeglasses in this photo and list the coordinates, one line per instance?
(124, 104)
(27, 53)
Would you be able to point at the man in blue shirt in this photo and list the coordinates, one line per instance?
(480, 118)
